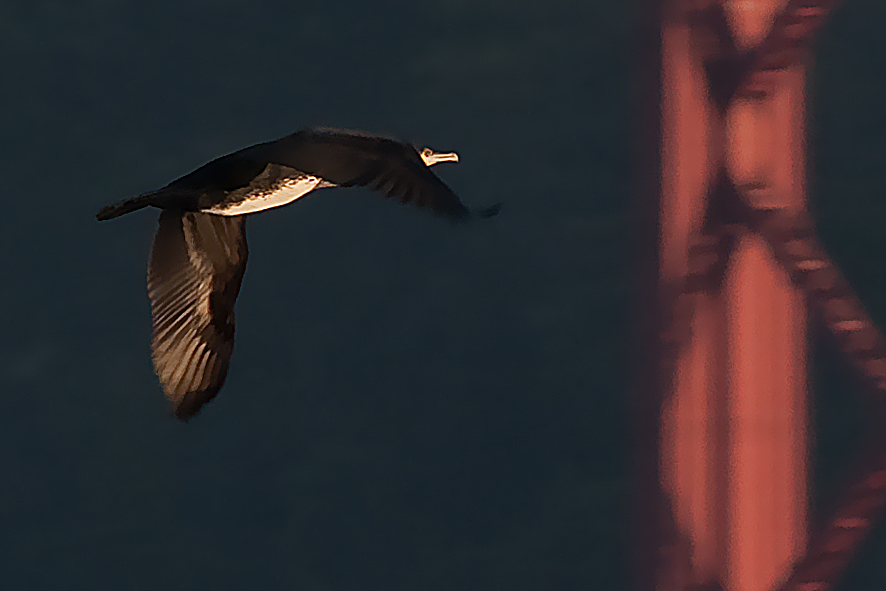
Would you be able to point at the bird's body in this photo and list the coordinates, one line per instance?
(276, 173)
(199, 254)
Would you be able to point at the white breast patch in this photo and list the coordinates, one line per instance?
(284, 191)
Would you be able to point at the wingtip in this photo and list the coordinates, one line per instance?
(190, 405)
(186, 409)
(488, 212)
(184, 418)
(465, 215)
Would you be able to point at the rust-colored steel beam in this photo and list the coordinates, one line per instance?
(732, 425)
(788, 43)
(792, 239)
(731, 327)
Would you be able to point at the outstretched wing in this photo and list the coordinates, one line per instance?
(194, 277)
(348, 159)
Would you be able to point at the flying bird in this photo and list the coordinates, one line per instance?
(199, 253)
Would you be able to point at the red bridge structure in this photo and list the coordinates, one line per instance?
(729, 268)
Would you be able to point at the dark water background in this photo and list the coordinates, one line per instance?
(410, 406)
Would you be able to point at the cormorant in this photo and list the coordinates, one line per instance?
(199, 254)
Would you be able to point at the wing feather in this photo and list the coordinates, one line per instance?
(350, 159)
(194, 277)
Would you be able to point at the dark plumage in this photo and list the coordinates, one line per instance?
(200, 251)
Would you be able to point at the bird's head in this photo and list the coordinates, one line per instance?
(431, 157)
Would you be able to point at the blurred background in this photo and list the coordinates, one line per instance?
(410, 405)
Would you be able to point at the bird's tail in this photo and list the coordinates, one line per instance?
(117, 209)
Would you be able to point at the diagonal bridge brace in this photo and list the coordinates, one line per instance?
(755, 74)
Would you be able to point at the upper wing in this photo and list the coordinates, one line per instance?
(351, 159)
(194, 277)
